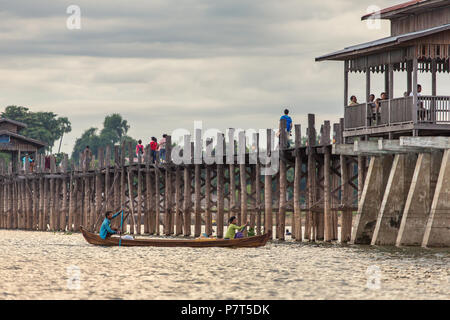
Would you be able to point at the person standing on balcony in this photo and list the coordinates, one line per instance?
(383, 97)
(419, 90)
(372, 106)
(421, 110)
(353, 101)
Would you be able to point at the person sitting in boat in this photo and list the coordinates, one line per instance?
(105, 229)
(234, 231)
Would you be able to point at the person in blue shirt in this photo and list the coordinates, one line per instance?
(288, 121)
(105, 229)
(23, 162)
(29, 160)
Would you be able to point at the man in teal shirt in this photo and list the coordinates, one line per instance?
(105, 229)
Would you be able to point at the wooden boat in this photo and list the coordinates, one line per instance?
(250, 242)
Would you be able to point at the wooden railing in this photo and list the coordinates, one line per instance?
(430, 109)
(434, 109)
(395, 111)
(355, 116)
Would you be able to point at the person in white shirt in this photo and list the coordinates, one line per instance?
(162, 148)
(422, 112)
(419, 90)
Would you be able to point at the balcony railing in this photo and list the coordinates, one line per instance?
(355, 116)
(430, 109)
(436, 109)
(395, 111)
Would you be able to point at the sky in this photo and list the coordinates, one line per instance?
(163, 64)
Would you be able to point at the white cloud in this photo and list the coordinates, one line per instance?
(164, 63)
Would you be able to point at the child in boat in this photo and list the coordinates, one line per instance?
(105, 229)
(233, 227)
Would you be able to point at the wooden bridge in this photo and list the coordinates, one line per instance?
(315, 188)
(172, 197)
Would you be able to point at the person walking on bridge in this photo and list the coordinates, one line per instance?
(288, 121)
(87, 157)
(288, 125)
(139, 149)
(153, 149)
(162, 148)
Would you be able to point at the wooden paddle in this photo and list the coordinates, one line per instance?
(121, 222)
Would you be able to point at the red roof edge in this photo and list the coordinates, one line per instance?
(393, 8)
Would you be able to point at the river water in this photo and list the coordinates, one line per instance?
(46, 265)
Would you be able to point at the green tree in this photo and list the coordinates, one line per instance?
(65, 127)
(115, 127)
(5, 156)
(88, 138)
(114, 131)
(128, 139)
(44, 126)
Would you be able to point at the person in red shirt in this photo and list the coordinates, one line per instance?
(153, 148)
(139, 149)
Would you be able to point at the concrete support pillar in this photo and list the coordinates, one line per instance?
(418, 202)
(371, 197)
(361, 175)
(394, 199)
(437, 231)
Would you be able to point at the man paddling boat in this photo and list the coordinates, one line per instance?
(234, 231)
(105, 229)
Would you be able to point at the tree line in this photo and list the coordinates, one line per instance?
(50, 128)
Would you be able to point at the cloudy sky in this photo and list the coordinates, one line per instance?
(163, 64)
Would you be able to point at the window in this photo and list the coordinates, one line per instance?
(4, 138)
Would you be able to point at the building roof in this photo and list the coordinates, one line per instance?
(372, 46)
(37, 143)
(405, 8)
(14, 122)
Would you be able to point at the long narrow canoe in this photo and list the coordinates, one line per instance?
(250, 242)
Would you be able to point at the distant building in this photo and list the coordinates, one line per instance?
(11, 141)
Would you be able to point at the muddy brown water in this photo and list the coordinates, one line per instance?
(46, 265)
